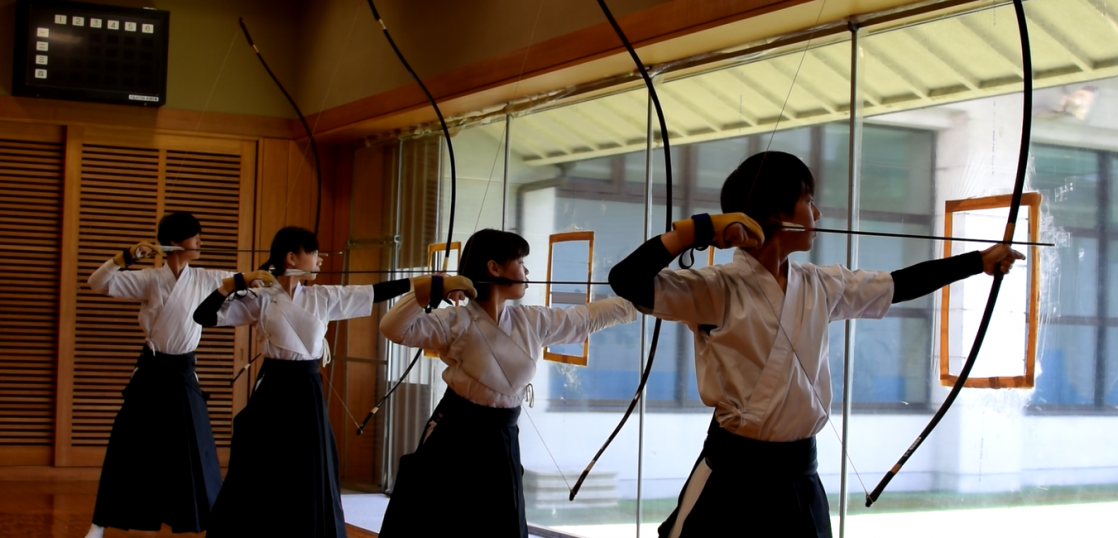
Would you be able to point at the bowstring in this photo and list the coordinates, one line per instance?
(321, 109)
(205, 108)
(333, 363)
(787, 97)
(522, 407)
(506, 139)
(502, 142)
(780, 324)
(814, 389)
(504, 133)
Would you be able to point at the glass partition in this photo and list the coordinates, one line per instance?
(1021, 454)
(942, 115)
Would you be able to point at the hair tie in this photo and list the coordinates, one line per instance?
(128, 259)
(239, 282)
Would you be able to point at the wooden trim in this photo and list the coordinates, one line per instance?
(147, 139)
(30, 132)
(211, 124)
(49, 474)
(26, 455)
(588, 236)
(562, 61)
(160, 198)
(358, 532)
(245, 261)
(1030, 200)
(68, 295)
(433, 251)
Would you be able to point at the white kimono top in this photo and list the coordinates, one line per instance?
(166, 304)
(490, 363)
(747, 330)
(294, 328)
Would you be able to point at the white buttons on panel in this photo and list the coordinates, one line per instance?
(42, 45)
(129, 27)
(60, 19)
(114, 25)
(78, 21)
(40, 73)
(94, 23)
(41, 59)
(42, 32)
(149, 28)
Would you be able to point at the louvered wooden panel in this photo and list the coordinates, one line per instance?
(118, 206)
(31, 175)
(208, 185)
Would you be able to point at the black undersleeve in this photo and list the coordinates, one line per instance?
(633, 278)
(383, 291)
(923, 278)
(206, 313)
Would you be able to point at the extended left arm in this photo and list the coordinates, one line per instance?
(926, 277)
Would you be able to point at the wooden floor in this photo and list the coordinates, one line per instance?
(64, 510)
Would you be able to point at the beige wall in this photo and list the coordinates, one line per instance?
(201, 34)
(435, 36)
(307, 42)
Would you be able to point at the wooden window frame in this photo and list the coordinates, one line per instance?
(1030, 200)
(433, 251)
(552, 240)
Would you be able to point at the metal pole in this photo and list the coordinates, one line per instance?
(505, 178)
(650, 146)
(390, 349)
(854, 170)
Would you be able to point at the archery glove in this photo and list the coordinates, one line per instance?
(430, 290)
(135, 253)
(241, 281)
(703, 230)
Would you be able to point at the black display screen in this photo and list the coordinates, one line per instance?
(89, 52)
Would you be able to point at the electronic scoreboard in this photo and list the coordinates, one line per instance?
(90, 52)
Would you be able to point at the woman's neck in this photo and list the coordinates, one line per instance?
(176, 263)
(289, 283)
(773, 257)
(493, 305)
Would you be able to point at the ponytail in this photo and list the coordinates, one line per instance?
(292, 239)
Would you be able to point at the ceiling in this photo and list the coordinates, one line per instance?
(962, 57)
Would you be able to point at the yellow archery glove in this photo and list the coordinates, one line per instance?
(241, 281)
(135, 253)
(725, 230)
(430, 290)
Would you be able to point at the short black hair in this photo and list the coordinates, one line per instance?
(290, 239)
(177, 226)
(486, 245)
(766, 185)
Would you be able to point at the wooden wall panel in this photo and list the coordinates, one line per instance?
(119, 188)
(208, 185)
(31, 177)
(125, 181)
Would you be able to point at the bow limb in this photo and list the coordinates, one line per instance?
(317, 172)
(453, 189)
(302, 119)
(1015, 205)
(667, 228)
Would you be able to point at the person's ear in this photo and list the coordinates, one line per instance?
(289, 260)
(494, 268)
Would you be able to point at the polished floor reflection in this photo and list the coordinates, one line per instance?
(63, 509)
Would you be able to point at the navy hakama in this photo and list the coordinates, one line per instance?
(283, 465)
(161, 463)
(466, 470)
(745, 487)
